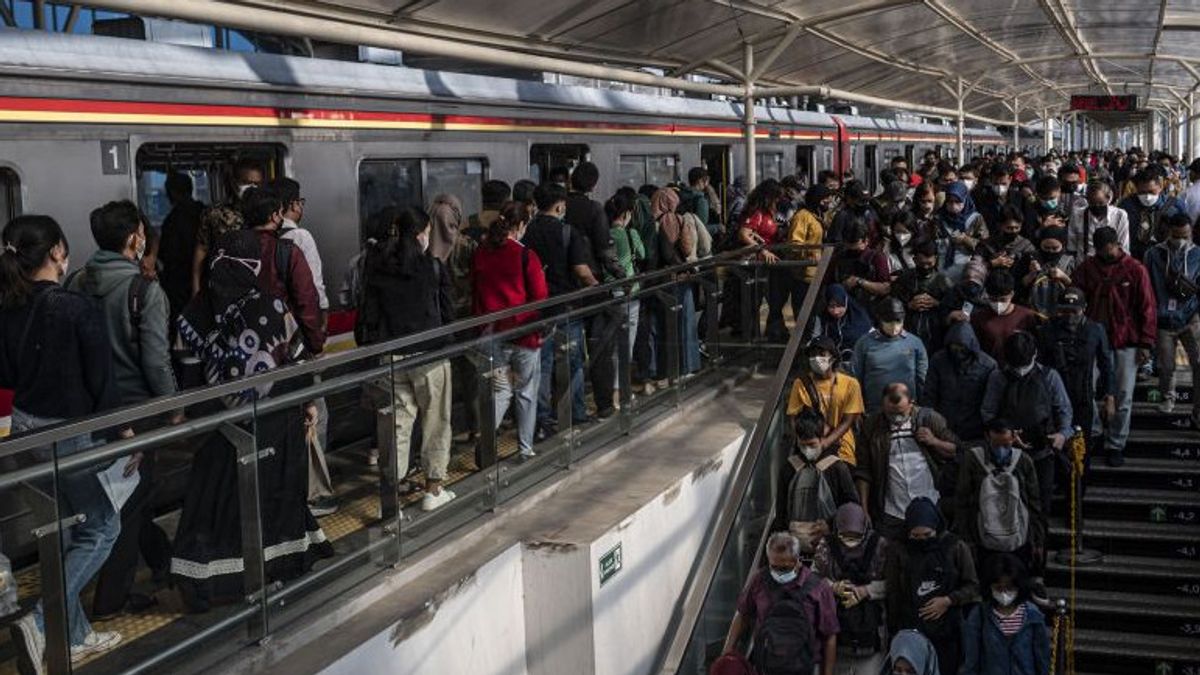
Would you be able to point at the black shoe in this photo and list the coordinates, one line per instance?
(580, 421)
(323, 506)
(543, 432)
(1116, 458)
(605, 414)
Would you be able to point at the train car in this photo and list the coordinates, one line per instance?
(86, 119)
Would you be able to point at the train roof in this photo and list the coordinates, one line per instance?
(124, 60)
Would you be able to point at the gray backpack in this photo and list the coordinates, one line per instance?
(1003, 517)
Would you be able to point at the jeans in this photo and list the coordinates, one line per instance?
(1168, 340)
(782, 288)
(689, 337)
(572, 331)
(1126, 376)
(424, 392)
(85, 545)
(515, 378)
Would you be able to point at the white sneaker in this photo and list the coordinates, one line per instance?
(94, 643)
(32, 642)
(431, 501)
(373, 457)
(1167, 405)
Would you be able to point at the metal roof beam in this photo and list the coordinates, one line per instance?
(72, 19)
(786, 41)
(1065, 24)
(7, 15)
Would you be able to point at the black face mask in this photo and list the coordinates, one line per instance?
(925, 272)
(1050, 258)
(923, 545)
(1072, 321)
(960, 354)
(1008, 237)
(1098, 210)
(1069, 188)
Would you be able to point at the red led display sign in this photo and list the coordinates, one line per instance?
(1094, 103)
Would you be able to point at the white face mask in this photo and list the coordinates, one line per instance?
(423, 240)
(810, 452)
(1178, 243)
(970, 183)
(140, 251)
(1005, 598)
(784, 577)
(820, 364)
(1023, 370)
(1000, 190)
(1001, 306)
(903, 238)
(241, 189)
(897, 419)
(1148, 199)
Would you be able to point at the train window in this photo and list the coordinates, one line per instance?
(210, 166)
(546, 156)
(401, 183)
(10, 194)
(770, 165)
(804, 162)
(826, 158)
(638, 170)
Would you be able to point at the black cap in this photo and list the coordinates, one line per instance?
(1072, 298)
(1194, 166)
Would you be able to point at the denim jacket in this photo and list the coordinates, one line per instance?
(986, 651)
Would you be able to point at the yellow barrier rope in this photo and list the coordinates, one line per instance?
(1054, 644)
(1078, 453)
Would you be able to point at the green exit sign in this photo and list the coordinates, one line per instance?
(610, 564)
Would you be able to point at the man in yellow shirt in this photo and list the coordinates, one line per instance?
(837, 396)
(807, 229)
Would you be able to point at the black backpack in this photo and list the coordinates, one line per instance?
(860, 624)
(135, 301)
(783, 642)
(1028, 402)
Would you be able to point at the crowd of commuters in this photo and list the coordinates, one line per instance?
(972, 317)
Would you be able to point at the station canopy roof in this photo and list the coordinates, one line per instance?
(1033, 54)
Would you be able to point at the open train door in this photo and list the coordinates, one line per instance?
(841, 147)
(718, 160)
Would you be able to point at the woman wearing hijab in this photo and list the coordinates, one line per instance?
(960, 228)
(851, 558)
(911, 654)
(930, 578)
(842, 320)
(675, 238)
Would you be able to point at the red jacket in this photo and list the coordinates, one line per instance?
(763, 224)
(1121, 299)
(300, 293)
(500, 283)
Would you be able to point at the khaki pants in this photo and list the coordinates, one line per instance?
(319, 483)
(423, 391)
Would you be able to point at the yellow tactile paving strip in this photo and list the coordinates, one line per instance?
(352, 516)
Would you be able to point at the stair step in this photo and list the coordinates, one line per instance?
(1148, 416)
(1122, 572)
(1123, 653)
(1136, 612)
(1155, 506)
(1145, 473)
(1162, 444)
(1168, 540)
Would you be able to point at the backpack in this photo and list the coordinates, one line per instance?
(860, 624)
(1003, 516)
(783, 642)
(731, 664)
(135, 301)
(1027, 401)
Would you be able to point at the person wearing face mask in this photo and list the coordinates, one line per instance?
(1149, 211)
(1072, 186)
(1098, 213)
(924, 291)
(957, 381)
(1006, 634)
(969, 176)
(834, 395)
(1077, 348)
(911, 653)
(931, 578)
(56, 357)
(856, 206)
(896, 243)
(1174, 269)
(1047, 199)
(889, 354)
(999, 191)
(842, 321)
(1191, 197)
(905, 448)
(858, 266)
(777, 601)
(924, 207)
(135, 317)
(1048, 272)
(960, 228)
(1007, 249)
(851, 559)
(1035, 397)
(1000, 317)
(813, 482)
(996, 517)
(221, 219)
(1121, 298)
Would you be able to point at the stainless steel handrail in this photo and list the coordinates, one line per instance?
(164, 405)
(691, 602)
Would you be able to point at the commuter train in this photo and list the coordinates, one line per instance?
(87, 119)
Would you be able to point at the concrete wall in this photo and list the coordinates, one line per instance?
(539, 607)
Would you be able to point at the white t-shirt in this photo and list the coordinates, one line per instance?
(303, 240)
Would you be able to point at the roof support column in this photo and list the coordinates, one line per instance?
(1191, 126)
(1016, 110)
(1047, 131)
(1076, 132)
(960, 158)
(748, 122)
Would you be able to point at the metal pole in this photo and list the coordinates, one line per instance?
(959, 134)
(1191, 126)
(1047, 131)
(748, 121)
(1016, 124)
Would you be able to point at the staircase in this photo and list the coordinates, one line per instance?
(1138, 611)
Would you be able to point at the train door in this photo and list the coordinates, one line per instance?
(717, 160)
(843, 160)
(871, 167)
(10, 194)
(910, 156)
(209, 165)
(804, 163)
(546, 156)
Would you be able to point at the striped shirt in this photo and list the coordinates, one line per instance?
(1009, 625)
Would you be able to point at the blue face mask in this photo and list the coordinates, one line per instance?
(1002, 454)
(1050, 203)
(784, 577)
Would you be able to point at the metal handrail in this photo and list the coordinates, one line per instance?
(168, 404)
(691, 602)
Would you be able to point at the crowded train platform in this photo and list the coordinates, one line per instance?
(728, 336)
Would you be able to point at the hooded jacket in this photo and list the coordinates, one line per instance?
(1173, 312)
(880, 360)
(956, 388)
(986, 651)
(141, 362)
(1120, 298)
(846, 331)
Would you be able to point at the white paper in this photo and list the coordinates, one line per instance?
(116, 485)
